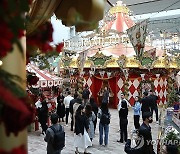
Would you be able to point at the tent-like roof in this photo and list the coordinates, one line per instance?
(45, 78)
(121, 49)
(122, 20)
(120, 24)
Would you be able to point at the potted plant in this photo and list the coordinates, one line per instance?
(172, 141)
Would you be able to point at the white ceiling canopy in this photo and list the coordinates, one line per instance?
(147, 6)
(164, 14)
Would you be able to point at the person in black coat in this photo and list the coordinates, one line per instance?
(82, 139)
(95, 110)
(43, 116)
(105, 97)
(145, 138)
(145, 132)
(81, 121)
(71, 109)
(60, 107)
(146, 103)
(154, 106)
(123, 113)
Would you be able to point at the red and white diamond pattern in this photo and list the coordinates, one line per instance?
(159, 84)
(120, 84)
(88, 81)
(160, 89)
(133, 90)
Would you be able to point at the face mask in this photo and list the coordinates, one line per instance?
(150, 121)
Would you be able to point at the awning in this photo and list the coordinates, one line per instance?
(45, 78)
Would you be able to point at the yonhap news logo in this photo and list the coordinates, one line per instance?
(164, 142)
(139, 142)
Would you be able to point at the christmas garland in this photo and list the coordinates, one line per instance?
(126, 87)
(13, 26)
(15, 102)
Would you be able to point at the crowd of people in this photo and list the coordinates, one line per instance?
(84, 113)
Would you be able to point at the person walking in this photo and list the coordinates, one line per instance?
(50, 136)
(154, 106)
(85, 95)
(66, 102)
(137, 111)
(145, 103)
(91, 118)
(75, 107)
(43, 116)
(95, 110)
(123, 113)
(72, 102)
(60, 107)
(81, 137)
(104, 116)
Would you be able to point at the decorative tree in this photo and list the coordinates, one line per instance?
(80, 83)
(126, 87)
(172, 97)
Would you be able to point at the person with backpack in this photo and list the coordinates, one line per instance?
(55, 136)
(104, 116)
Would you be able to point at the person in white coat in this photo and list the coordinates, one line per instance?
(66, 102)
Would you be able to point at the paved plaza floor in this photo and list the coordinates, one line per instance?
(37, 145)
